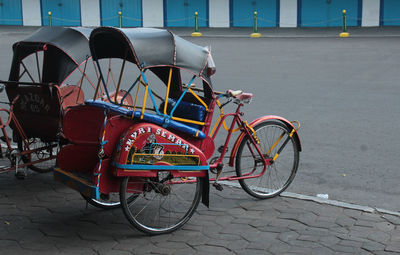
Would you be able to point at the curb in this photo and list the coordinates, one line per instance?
(319, 200)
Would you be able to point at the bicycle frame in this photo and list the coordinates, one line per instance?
(237, 119)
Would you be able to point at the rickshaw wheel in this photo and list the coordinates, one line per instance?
(280, 173)
(102, 203)
(159, 208)
(42, 167)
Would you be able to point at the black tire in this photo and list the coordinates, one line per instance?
(106, 203)
(159, 208)
(280, 173)
(42, 167)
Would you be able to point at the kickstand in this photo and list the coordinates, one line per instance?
(19, 174)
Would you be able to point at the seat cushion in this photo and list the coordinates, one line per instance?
(186, 110)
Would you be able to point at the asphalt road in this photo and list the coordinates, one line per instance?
(344, 92)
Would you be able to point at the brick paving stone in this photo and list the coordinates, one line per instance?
(329, 240)
(310, 238)
(373, 246)
(393, 247)
(186, 251)
(259, 244)
(7, 245)
(300, 250)
(307, 218)
(345, 221)
(272, 229)
(281, 223)
(327, 219)
(314, 231)
(303, 243)
(359, 231)
(350, 243)
(296, 226)
(395, 235)
(364, 223)
(252, 252)
(279, 247)
(379, 237)
(385, 226)
(352, 213)
(385, 253)
(288, 236)
(198, 240)
(322, 250)
(391, 218)
(42, 244)
(288, 215)
(212, 249)
(113, 252)
(371, 217)
(77, 251)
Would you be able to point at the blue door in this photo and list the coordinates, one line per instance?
(328, 13)
(131, 13)
(242, 13)
(63, 12)
(180, 13)
(10, 12)
(390, 13)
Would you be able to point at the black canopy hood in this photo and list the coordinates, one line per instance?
(64, 49)
(154, 49)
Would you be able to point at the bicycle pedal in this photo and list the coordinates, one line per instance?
(221, 149)
(218, 186)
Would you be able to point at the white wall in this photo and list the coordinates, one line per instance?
(288, 13)
(370, 13)
(153, 13)
(90, 12)
(31, 13)
(219, 13)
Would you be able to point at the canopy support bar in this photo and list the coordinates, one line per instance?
(119, 81)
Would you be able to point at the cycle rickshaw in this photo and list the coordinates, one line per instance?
(39, 91)
(154, 161)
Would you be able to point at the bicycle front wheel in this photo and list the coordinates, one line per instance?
(272, 135)
(161, 205)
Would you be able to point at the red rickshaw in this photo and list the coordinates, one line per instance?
(155, 161)
(39, 90)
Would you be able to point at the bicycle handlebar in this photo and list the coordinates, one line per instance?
(238, 95)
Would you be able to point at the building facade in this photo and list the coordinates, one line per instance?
(211, 13)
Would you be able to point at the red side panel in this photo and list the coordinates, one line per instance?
(149, 144)
(78, 158)
(83, 124)
(114, 128)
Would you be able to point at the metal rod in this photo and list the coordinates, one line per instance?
(38, 68)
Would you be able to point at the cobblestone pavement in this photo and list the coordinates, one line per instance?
(41, 216)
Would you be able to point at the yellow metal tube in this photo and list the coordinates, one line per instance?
(168, 87)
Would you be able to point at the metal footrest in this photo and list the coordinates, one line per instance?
(77, 183)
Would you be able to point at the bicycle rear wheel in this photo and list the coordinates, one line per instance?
(278, 176)
(44, 166)
(159, 207)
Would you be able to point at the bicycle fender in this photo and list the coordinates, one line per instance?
(256, 122)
